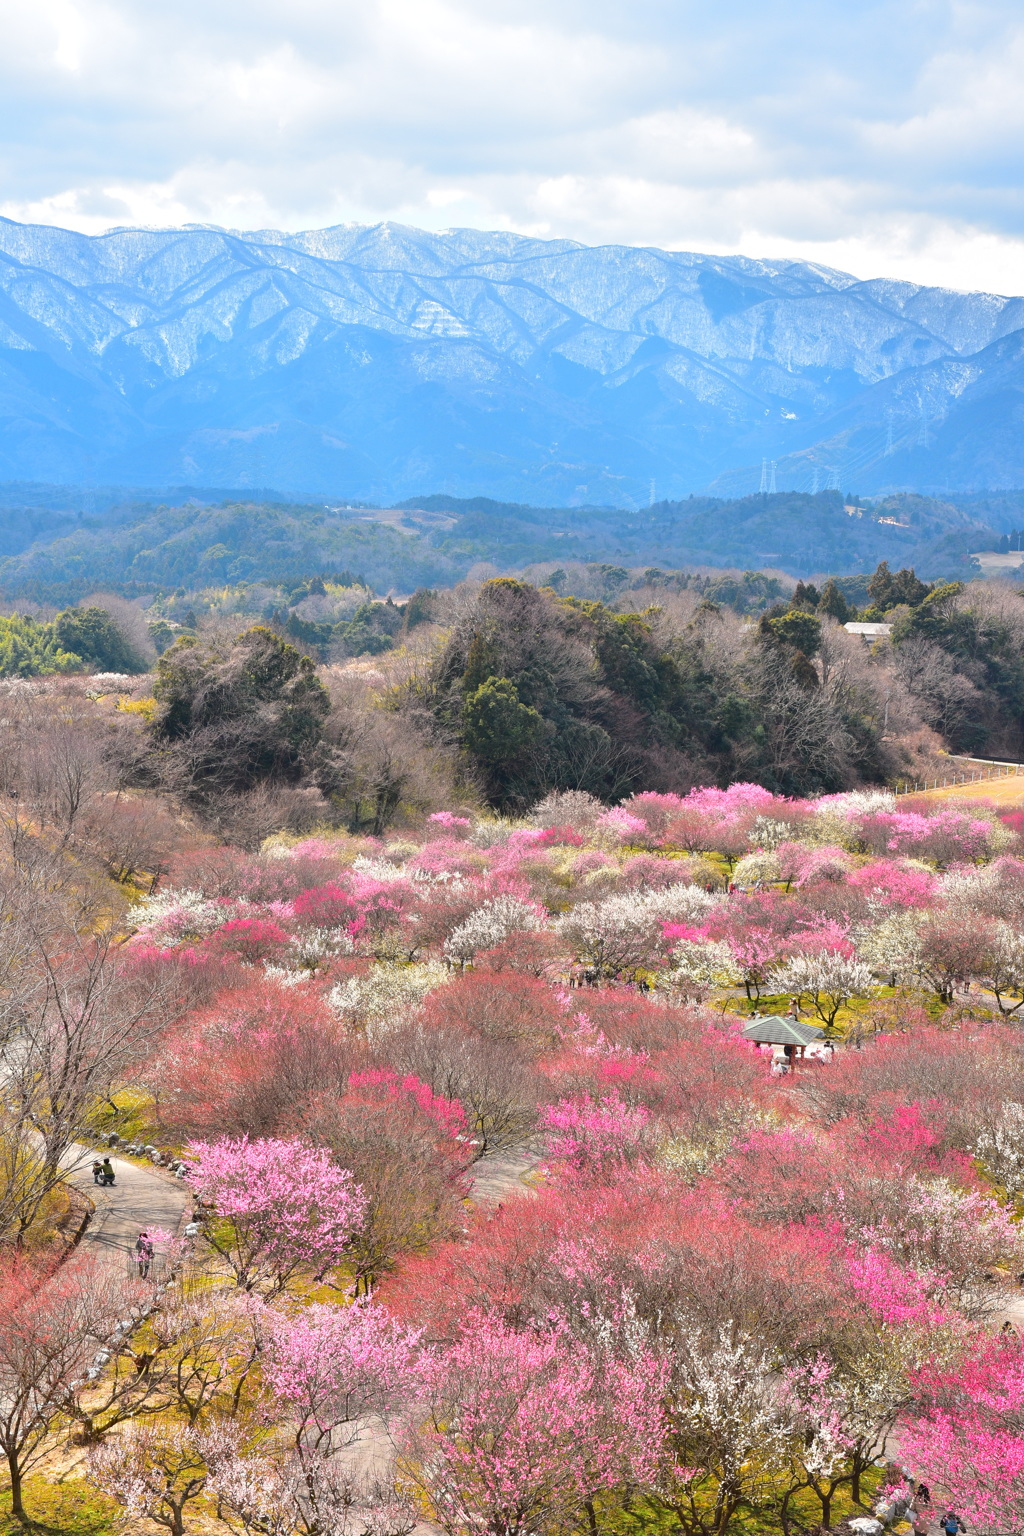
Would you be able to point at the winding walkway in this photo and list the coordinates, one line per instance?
(144, 1197)
(139, 1198)
(501, 1173)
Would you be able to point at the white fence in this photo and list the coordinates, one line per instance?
(980, 770)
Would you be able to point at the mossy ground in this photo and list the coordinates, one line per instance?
(68, 1508)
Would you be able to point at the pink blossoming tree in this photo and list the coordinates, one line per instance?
(524, 1430)
(282, 1209)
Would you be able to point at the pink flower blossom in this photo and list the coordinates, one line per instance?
(895, 885)
(525, 1428)
(448, 1114)
(589, 1137)
(289, 1207)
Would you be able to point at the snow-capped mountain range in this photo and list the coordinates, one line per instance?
(383, 362)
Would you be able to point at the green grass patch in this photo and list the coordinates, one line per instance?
(129, 1113)
(71, 1508)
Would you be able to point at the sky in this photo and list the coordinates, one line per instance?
(883, 137)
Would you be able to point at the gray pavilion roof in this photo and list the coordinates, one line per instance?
(778, 1031)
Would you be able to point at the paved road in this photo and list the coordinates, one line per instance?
(139, 1197)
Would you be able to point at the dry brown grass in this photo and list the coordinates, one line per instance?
(1005, 794)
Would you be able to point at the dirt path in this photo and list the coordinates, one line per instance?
(139, 1198)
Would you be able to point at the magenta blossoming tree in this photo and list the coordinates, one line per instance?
(967, 1437)
(282, 1209)
(594, 1138)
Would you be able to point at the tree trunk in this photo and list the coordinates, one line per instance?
(17, 1507)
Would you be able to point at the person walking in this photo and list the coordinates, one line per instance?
(951, 1524)
(108, 1171)
(143, 1254)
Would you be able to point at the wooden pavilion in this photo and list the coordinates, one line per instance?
(793, 1034)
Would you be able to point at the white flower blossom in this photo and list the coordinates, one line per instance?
(491, 924)
(699, 965)
(623, 933)
(859, 802)
(282, 976)
(1001, 1148)
(767, 833)
(755, 868)
(726, 1396)
(388, 873)
(893, 946)
(176, 916)
(387, 996)
(1004, 967)
(314, 947)
(830, 980)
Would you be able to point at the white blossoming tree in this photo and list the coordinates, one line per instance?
(760, 868)
(733, 1428)
(623, 935)
(700, 965)
(386, 997)
(828, 980)
(893, 947)
(1004, 971)
(491, 924)
(1001, 1148)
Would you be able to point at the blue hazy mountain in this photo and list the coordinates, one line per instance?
(383, 362)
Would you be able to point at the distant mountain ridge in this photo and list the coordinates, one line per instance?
(383, 362)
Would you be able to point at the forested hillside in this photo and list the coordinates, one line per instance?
(57, 551)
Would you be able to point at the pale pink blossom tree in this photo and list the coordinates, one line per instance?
(154, 1471)
(524, 1430)
(264, 1494)
(334, 1368)
(282, 1209)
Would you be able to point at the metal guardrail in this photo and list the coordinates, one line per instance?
(985, 774)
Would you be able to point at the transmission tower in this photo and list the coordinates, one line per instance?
(771, 480)
(652, 494)
(814, 483)
(764, 476)
(923, 438)
(889, 446)
(832, 483)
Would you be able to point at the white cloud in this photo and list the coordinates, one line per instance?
(883, 137)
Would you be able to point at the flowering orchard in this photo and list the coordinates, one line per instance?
(732, 1283)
